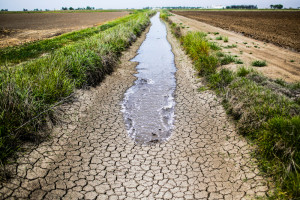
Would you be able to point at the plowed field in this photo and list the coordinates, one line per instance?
(25, 27)
(278, 27)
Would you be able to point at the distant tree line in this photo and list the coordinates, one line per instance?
(177, 7)
(71, 8)
(4, 9)
(242, 7)
(277, 6)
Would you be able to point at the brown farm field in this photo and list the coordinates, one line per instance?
(26, 27)
(277, 27)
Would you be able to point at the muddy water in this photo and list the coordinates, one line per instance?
(148, 106)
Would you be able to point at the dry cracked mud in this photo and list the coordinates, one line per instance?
(91, 156)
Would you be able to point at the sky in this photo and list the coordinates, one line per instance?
(122, 4)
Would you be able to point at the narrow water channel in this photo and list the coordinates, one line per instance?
(148, 106)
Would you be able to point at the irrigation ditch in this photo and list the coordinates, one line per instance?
(181, 143)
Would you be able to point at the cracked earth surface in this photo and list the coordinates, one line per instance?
(90, 155)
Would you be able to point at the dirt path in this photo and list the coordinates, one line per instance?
(91, 156)
(281, 63)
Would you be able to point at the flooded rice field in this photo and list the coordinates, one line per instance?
(148, 106)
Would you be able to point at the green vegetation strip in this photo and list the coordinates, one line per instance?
(31, 50)
(32, 88)
(266, 111)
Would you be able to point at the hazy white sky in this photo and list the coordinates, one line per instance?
(57, 4)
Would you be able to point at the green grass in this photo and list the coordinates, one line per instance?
(266, 111)
(32, 88)
(230, 46)
(219, 37)
(198, 48)
(31, 50)
(225, 39)
(259, 63)
(227, 59)
(238, 61)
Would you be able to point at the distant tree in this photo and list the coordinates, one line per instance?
(64, 8)
(277, 6)
(271, 6)
(4, 9)
(242, 7)
(89, 8)
(71, 8)
(47, 10)
(25, 9)
(36, 9)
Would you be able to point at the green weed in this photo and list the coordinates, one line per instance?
(227, 59)
(259, 63)
(219, 38)
(238, 61)
(243, 71)
(230, 46)
(225, 39)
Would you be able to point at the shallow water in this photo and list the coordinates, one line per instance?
(148, 106)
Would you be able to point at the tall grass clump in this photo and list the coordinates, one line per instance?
(259, 63)
(31, 89)
(198, 48)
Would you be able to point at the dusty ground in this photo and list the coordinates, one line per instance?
(20, 28)
(278, 27)
(91, 156)
(279, 60)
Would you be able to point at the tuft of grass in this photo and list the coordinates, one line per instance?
(225, 39)
(202, 89)
(230, 46)
(220, 80)
(216, 33)
(198, 48)
(227, 59)
(214, 46)
(220, 54)
(219, 38)
(243, 71)
(292, 61)
(259, 63)
(238, 61)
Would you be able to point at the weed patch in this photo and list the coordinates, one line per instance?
(227, 59)
(219, 38)
(259, 63)
(225, 39)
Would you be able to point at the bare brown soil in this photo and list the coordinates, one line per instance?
(20, 28)
(278, 27)
(281, 63)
